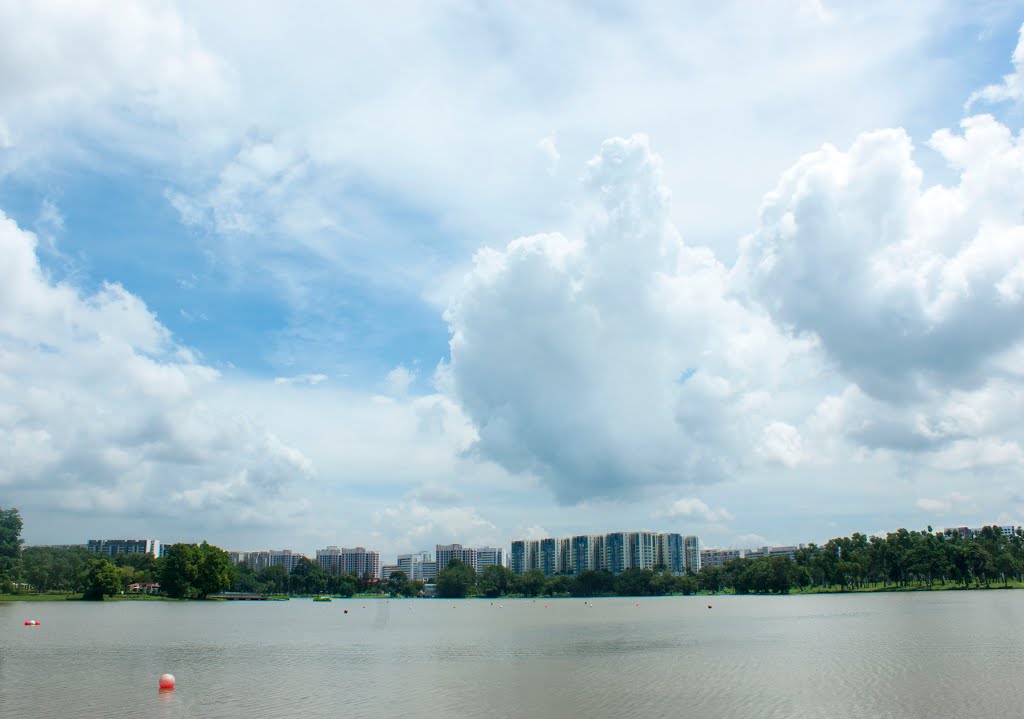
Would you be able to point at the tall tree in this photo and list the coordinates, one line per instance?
(102, 580)
(10, 544)
(214, 571)
(179, 575)
(10, 532)
(456, 580)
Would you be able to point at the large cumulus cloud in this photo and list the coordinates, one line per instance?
(905, 286)
(100, 411)
(613, 360)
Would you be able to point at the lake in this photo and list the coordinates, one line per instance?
(927, 655)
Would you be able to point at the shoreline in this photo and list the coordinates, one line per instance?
(808, 592)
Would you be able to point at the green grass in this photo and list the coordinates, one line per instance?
(37, 597)
(936, 587)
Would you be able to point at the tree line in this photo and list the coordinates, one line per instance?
(900, 559)
(309, 578)
(187, 571)
(459, 580)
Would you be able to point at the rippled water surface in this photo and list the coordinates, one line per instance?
(952, 654)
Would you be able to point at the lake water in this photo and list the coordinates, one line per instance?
(951, 654)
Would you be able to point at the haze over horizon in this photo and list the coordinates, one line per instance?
(405, 276)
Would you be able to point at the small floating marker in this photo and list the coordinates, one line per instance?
(709, 606)
(167, 681)
(346, 611)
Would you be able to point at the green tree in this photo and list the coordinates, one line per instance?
(687, 584)
(10, 546)
(496, 580)
(456, 580)
(344, 585)
(531, 584)
(179, 575)
(244, 579)
(273, 579)
(594, 583)
(213, 573)
(558, 585)
(103, 580)
(634, 582)
(10, 533)
(710, 579)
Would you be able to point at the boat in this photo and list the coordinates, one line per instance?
(321, 599)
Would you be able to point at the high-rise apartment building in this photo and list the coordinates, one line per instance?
(112, 547)
(614, 552)
(691, 554)
(418, 567)
(260, 560)
(447, 552)
(487, 556)
(669, 552)
(549, 556)
(586, 552)
(350, 560)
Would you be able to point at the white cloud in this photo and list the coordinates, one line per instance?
(421, 524)
(953, 502)
(871, 329)
(311, 379)
(694, 509)
(615, 361)
(100, 412)
(399, 380)
(782, 442)
(125, 72)
(899, 283)
(935, 506)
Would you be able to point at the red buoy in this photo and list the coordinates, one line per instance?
(167, 681)
(346, 611)
(709, 606)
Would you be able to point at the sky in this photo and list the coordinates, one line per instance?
(415, 273)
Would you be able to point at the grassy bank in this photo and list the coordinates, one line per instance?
(77, 597)
(936, 587)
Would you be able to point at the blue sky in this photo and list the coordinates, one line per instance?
(399, 277)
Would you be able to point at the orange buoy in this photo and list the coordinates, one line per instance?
(167, 681)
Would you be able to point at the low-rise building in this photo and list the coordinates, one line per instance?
(718, 557)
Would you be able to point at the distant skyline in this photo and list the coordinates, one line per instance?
(428, 273)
